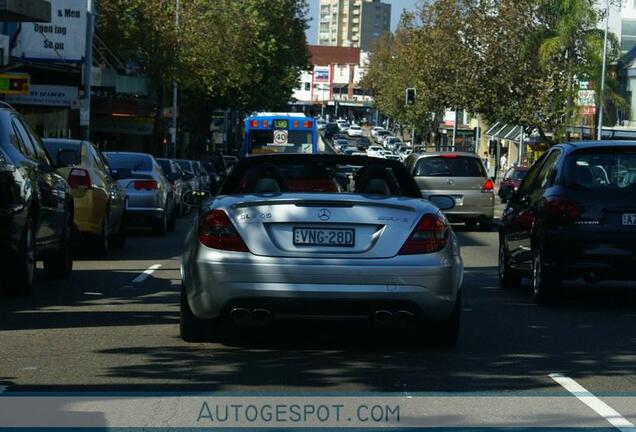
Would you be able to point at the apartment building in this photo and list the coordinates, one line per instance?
(352, 23)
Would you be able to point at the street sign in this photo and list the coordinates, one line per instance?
(586, 98)
(281, 137)
(14, 83)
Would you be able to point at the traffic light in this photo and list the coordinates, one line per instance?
(14, 84)
(410, 96)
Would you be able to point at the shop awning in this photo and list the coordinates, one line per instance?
(25, 10)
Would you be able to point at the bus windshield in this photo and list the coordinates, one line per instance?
(264, 141)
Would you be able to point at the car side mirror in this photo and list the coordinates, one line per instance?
(66, 158)
(442, 202)
(121, 174)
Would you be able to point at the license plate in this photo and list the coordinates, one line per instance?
(629, 219)
(324, 237)
(459, 200)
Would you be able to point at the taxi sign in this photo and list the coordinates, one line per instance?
(14, 83)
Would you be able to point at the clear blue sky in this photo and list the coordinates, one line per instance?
(396, 10)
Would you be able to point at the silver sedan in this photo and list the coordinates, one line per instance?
(292, 235)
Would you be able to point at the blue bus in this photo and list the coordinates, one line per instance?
(280, 133)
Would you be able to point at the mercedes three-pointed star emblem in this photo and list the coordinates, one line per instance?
(324, 215)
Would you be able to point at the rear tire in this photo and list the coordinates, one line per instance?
(446, 334)
(486, 224)
(21, 278)
(508, 278)
(546, 283)
(102, 243)
(193, 329)
(172, 221)
(60, 264)
(119, 240)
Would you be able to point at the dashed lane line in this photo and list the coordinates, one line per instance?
(142, 277)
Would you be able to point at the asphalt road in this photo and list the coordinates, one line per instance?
(111, 328)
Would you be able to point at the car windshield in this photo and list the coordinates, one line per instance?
(131, 161)
(321, 174)
(602, 169)
(449, 166)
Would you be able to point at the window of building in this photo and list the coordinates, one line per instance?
(628, 35)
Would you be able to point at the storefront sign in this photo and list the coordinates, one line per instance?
(62, 39)
(45, 95)
(322, 74)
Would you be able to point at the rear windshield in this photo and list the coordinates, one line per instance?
(602, 170)
(55, 146)
(518, 175)
(262, 141)
(439, 166)
(133, 162)
(374, 178)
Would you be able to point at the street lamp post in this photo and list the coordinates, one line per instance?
(602, 94)
(175, 98)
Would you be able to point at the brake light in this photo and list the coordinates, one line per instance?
(265, 123)
(561, 211)
(254, 124)
(430, 235)
(296, 124)
(146, 185)
(80, 178)
(488, 186)
(450, 156)
(308, 124)
(217, 232)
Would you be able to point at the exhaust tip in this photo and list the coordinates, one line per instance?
(404, 315)
(381, 316)
(239, 314)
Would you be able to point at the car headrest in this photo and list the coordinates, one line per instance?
(377, 186)
(267, 185)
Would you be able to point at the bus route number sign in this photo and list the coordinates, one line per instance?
(281, 137)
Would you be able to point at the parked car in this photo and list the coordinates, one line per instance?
(393, 143)
(462, 176)
(36, 208)
(363, 143)
(573, 216)
(354, 131)
(392, 157)
(343, 125)
(340, 144)
(511, 181)
(375, 151)
(150, 195)
(375, 130)
(331, 129)
(202, 180)
(99, 201)
(380, 135)
(335, 259)
(177, 181)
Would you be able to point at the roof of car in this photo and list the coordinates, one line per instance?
(606, 143)
(431, 154)
(127, 153)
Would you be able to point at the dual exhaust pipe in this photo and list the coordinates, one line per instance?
(385, 316)
(255, 316)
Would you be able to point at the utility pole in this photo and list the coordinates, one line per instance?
(85, 103)
(602, 94)
(175, 97)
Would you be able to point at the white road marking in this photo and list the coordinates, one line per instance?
(597, 405)
(142, 277)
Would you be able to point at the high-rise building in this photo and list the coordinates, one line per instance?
(352, 23)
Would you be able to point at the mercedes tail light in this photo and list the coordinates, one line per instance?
(429, 236)
(216, 231)
(488, 186)
(146, 185)
(561, 211)
(80, 178)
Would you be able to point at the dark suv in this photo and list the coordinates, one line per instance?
(36, 208)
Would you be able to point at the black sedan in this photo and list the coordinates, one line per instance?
(573, 216)
(36, 208)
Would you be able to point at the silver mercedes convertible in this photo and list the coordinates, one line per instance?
(322, 235)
